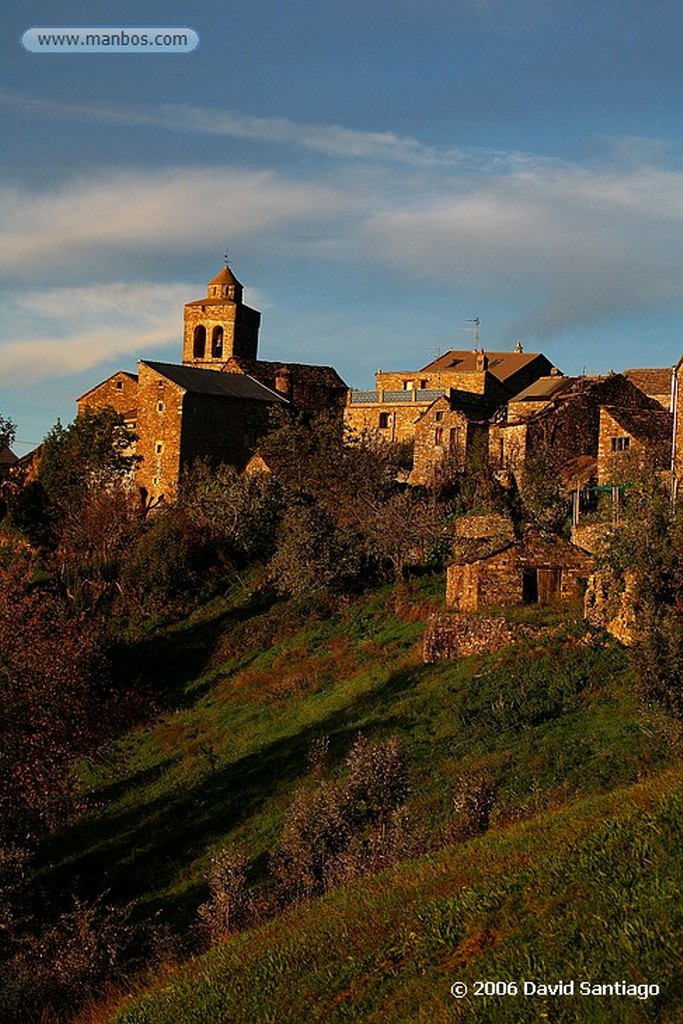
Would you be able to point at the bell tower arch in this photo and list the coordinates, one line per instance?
(220, 325)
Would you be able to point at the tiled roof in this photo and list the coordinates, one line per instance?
(501, 364)
(224, 276)
(215, 382)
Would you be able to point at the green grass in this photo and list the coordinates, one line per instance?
(244, 685)
(588, 893)
(248, 685)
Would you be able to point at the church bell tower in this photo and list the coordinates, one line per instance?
(220, 326)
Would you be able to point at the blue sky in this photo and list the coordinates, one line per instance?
(380, 172)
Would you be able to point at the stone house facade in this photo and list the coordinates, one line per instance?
(498, 571)
(627, 434)
(452, 434)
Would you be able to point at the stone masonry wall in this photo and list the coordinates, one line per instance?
(458, 636)
(120, 392)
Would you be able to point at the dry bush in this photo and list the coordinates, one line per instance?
(229, 906)
(472, 805)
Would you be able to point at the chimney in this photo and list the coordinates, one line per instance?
(283, 382)
(482, 360)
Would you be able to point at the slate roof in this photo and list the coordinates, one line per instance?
(7, 457)
(300, 373)
(544, 388)
(653, 425)
(651, 380)
(215, 382)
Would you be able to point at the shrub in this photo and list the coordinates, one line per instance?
(229, 905)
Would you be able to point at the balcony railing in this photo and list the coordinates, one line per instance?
(395, 397)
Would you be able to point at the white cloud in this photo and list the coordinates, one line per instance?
(61, 331)
(78, 226)
(332, 140)
(566, 246)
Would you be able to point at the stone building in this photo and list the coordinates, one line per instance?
(220, 325)
(451, 434)
(499, 571)
(216, 405)
(655, 382)
(567, 422)
(628, 435)
(401, 397)
(677, 429)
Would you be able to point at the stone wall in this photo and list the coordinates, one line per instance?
(160, 417)
(441, 435)
(119, 392)
(459, 636)
(612, 605)
(400, 380)
(240, 326)
(401, 418)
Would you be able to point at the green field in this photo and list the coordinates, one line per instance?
(575, 877)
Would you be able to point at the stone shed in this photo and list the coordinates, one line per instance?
(503, 571)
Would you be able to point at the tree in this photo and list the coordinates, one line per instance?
(87, 456)
(8, 432)
(648, 544)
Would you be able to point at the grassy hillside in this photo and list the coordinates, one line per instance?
(244, 686)
(589, 893)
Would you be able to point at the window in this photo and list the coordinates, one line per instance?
(439, 416)
(621, 444)
(454, 437)
(423, 385)
(160, 383)
(407, 385)
(119, 385)
(159, 447)
(383, 420)
(217, 342)
(160, 406)
(438, 436)
(199, 347)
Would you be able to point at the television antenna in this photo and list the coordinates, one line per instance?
(476, 322)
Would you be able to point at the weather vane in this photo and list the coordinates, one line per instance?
(226, 257)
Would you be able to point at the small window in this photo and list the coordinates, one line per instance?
(155, 481)
(160, 407)
(199, 341)
(423, 385)
(383, 420)
(621, 444)
(160, 383)
(438, 436)
(217, 343)
(159, 447)
(407, 385)
(119, 385)
(439, 416)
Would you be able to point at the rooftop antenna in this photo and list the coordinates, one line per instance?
(475, 330)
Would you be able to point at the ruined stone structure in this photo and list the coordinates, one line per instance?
(535, 570)
(459, 636)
